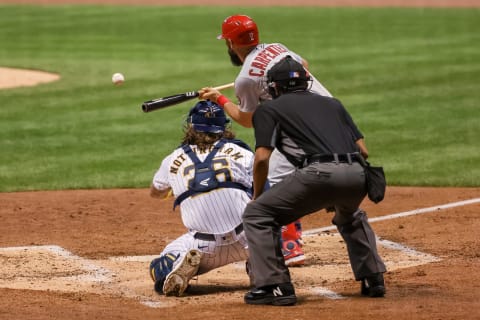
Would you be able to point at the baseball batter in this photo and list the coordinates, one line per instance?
(210, 175)
(241, 36)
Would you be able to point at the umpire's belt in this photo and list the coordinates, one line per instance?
(336, 158)
(212, 237)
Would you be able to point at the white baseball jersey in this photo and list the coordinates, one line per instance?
(250, 87)
(251, 90)
(219, 210)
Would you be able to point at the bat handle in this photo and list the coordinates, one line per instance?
(225, 86)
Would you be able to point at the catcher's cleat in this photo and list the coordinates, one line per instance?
(177, 281)
(373, 286)
(277, 295)
(160, 268)
(293, 253)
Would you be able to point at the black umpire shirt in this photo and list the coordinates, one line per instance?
(302, 124)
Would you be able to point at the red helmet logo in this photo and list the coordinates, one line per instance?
(241, 30)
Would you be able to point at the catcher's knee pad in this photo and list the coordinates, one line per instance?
(160, 268)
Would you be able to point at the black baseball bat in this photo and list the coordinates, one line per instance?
(165, 102)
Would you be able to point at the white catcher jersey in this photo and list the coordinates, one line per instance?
(217, 211)
(250, 87)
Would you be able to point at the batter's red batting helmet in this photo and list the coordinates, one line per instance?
(241, 30)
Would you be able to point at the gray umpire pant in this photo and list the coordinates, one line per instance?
(305, 191)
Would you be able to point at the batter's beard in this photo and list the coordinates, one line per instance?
(234, 58)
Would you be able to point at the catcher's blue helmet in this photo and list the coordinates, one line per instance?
(207, 116)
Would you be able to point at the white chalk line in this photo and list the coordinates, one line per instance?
(428, 258)
(147, 258)
(94, 273)
(99, 274)
(411, 252)
(152, 304)
(400, 215)
(327, 293)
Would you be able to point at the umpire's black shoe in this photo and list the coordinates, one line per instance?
(278, 295)
(373, 286)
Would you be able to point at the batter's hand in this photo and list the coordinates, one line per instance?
(209, 93)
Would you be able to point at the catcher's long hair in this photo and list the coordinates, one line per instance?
(204, 140)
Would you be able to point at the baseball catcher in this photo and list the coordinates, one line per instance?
(210, 175)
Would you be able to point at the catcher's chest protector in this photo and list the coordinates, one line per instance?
(205, 178)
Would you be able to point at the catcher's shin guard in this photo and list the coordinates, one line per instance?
(177, 281)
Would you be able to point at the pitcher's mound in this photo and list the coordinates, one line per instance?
(13, 78)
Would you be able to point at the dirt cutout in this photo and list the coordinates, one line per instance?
(14, 78)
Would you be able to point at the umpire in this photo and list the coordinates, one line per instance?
(319, 137)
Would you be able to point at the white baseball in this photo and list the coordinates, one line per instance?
(118, 78)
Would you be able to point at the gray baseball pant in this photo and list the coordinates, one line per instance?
(307, 190)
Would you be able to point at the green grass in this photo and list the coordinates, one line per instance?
(409, 77)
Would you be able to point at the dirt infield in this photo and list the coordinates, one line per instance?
(84, 254)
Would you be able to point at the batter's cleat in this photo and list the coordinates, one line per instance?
(373, 286)
(299, 232)
(293, 254)
(300, 242)
(277, 295)
(177, 281)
